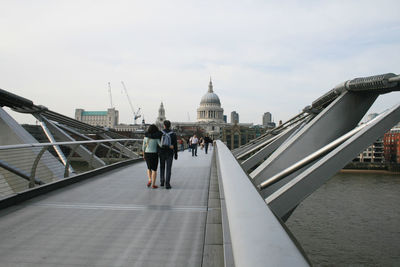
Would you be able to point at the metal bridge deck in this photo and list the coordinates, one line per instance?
(113, 220)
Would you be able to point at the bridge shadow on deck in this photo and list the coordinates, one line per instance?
(113, 220)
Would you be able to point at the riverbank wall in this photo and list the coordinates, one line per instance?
(373, 166)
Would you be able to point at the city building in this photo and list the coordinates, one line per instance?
(210, 120)
(236, 135)
(373, 153)
(267, 121)
(161, 116)
(266, 118)
(107, 118)
(234, 117)
(384, 150)
(391, 142)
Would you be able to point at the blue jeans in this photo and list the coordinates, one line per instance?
(165, 158)
(194, 149)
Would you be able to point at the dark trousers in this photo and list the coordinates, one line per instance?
(165, 158)
(194, 150)
(206, 147)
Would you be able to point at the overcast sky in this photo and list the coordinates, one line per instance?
(275, 56)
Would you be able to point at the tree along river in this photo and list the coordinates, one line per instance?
(352, 220)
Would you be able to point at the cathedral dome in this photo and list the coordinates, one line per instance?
(210, 107)
(210, 98)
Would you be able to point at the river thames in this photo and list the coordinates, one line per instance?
(352, 220)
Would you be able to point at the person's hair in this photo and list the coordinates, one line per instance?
(167, 124)
(152, 129)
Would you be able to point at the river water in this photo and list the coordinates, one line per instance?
(352, 220)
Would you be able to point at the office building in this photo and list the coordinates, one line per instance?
(234, 117)
(107, 118)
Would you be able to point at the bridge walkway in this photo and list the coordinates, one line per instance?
(113, 220)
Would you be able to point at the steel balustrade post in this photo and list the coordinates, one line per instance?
(82, 150)
(109, 152)
(73, 149)
(34, 166)
(120, 151)
(30, 177)
(51, 139)
(93, 154)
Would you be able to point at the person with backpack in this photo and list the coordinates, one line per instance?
(168, 151)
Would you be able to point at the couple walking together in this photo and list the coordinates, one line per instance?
(160, 145)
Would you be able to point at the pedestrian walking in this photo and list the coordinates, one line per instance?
(180, 142)
(190, 144)
(168, 151)
(150, 155)
(207, 141)
(201, 143)
(194, 141)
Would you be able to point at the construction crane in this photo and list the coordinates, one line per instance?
(136, 115)
(109, 92)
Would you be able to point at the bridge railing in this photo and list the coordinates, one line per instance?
(256, 234)
(24, 166)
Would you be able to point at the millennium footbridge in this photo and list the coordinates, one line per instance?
(226, 208)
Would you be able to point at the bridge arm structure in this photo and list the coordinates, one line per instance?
(276, 164)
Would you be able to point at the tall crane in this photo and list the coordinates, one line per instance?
(136, 115)
(109, 92)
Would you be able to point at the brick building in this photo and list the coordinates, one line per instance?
(391, 143)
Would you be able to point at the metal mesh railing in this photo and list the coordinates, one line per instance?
(28, 165)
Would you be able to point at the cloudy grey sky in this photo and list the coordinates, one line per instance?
(275, 56)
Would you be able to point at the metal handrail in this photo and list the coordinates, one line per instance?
(27, 161)
(257, 236)
(65, 143)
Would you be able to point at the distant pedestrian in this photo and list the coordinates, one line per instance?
(194, 141)
(168, 151)
(150, 149)
(201, 143)
(207, 141)
(180, 142)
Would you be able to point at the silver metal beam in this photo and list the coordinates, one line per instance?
(56, 148)
(12, 133)
(269, 147)
(310, 158)
(62, 135)
(126, 151)
(338, 118)
(291, 194)
(240, 151)
(121, 147)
